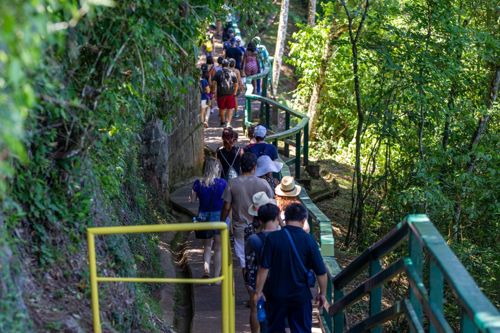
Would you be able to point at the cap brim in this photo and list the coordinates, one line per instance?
(253, 212)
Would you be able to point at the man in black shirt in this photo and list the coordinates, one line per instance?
(234, 52)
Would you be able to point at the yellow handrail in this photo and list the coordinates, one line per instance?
(227, 288)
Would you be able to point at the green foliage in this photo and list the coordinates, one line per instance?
(80, 79)
(425, 69)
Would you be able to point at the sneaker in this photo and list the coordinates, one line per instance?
(222, 124)
(228, 124)
(236, 115)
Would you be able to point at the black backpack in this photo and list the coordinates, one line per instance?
(225, 83)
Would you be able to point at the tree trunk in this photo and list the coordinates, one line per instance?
(334, 33)
(357, 218)
(280, 45)
(476, 137)
(311, 17)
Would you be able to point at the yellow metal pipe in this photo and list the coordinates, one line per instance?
(96, 320)
(135, 229)
(225, 295)
(159, 280)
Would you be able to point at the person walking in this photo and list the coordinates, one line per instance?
(238, 197)
(208, 190)
(265, 169)
(236, 71)
(205, 96)
(229, 155)
(260, 147)
(250, 62)
(287, 192)
(226, 84)
(268, 215)
(283, 276)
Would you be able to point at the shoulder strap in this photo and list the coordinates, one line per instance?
(295, 250)
(235, 157)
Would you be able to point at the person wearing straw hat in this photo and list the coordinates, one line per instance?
(265, 169)
(286, 193)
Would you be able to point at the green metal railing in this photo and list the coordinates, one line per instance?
(296, 136)
(422, 307)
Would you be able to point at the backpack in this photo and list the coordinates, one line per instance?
(231, 172)
(225, 83)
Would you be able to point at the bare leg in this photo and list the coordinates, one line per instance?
(222, 113)
(229, 116)
(217, 255)
(254, 323)
(207, 255)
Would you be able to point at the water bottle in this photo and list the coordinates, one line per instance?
(261, 310)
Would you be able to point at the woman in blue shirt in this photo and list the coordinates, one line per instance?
(208, 190)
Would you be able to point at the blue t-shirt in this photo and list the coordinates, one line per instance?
(263, 148)
(287, 281)
(210, 196)
(236, 54)
(203, 85)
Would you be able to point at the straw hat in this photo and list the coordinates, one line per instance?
(266, 165)
(259, 199)
(287, 187)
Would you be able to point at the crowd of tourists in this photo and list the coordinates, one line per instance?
(269, 231)
(223, 80)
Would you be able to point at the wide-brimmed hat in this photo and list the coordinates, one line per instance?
(266, 165)
(259, 199)
(287, 187)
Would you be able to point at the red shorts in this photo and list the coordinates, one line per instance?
(226, 102)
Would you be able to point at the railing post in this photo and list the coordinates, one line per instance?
(297, 155)
(338, 318)
(268, 115)
(96, 319)
(287, 127)
(226, 283)
(416, 255)
(264, 86)
(436, 289)
(306, 144)
(248, 109)
(375, 294)
(329, 293)
(466, 324)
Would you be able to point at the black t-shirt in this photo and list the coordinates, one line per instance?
(236, 54)
(227, 157)
(219, 76)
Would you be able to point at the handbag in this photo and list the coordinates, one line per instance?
(310, 276)
(204, 234)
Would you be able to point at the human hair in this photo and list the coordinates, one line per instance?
(268, 212)
(225, 63)
(210, 60)
(284, 202)
(248, 162)
(251, 47)
(295, 212)
(259, 138)
(219, 60)
(232, 62)
(211, 170)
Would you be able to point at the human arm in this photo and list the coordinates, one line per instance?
(321, 296)
(225, 210)
(259, 286)
(193, 196)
